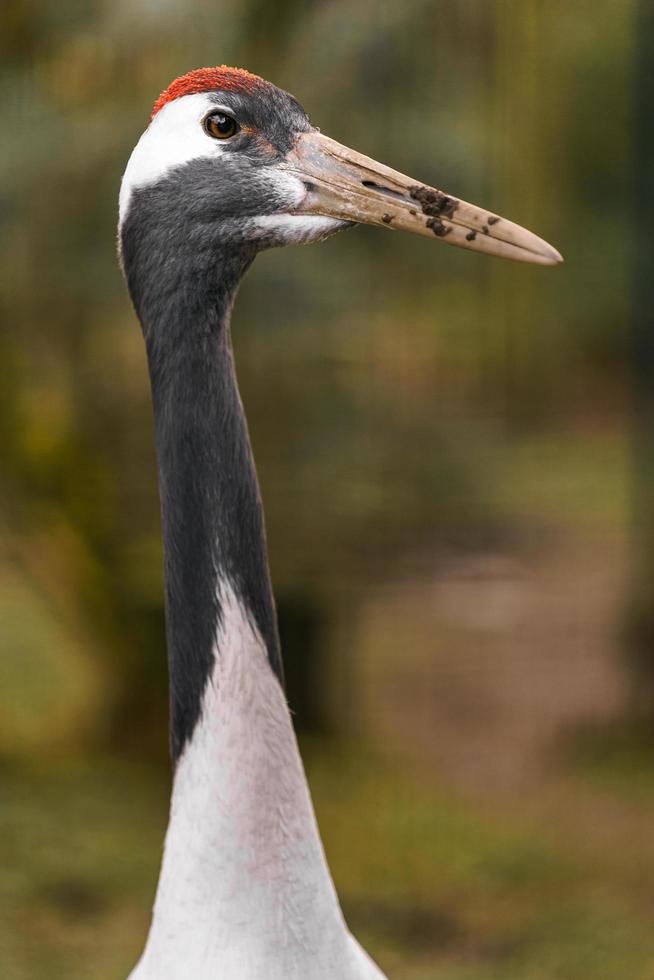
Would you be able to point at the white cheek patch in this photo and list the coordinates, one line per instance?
(296, 229)
(174, 137)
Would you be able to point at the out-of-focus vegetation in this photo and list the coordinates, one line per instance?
(445, 449)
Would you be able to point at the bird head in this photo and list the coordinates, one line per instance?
(230, 159)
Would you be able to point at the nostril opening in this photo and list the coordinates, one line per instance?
(383, 190)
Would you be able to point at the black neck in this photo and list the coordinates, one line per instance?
(213, 527)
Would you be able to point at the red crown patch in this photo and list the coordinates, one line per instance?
(206, 79)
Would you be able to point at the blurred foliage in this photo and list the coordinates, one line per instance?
(639, 625)
(411, 406)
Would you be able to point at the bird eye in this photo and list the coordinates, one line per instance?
(221, 126)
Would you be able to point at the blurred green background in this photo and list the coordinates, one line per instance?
(453, 460)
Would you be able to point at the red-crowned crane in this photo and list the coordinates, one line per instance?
(230, 165)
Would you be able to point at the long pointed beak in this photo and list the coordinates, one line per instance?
(342, 183)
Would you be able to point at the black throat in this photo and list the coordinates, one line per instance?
(213, 528)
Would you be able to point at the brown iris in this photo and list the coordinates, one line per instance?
(221, 126)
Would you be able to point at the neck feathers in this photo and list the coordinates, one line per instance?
(213, 527)
(244, 891)
(212, 516)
